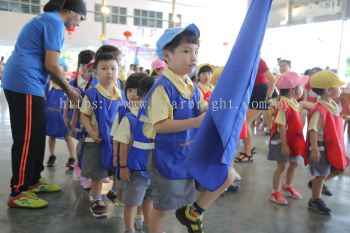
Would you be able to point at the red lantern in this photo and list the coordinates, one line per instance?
(70, 30)
(127, 34)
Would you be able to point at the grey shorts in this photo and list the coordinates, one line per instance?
(169, 194)
(321, 168)
(136, 191)
(275, 151)
(92, 164)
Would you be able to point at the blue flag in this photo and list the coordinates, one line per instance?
(212, 152)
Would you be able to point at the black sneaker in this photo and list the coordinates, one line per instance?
(70, 163)
(112, 196)
(192, 226)
(233, 188)
(52, 161)
(98, 209)
(325, 190)
(318, 206)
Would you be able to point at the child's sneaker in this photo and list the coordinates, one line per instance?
(44, 187)
(325, 190)
(51, 161)
(77, 171)
(278, 198)
(112, 196)
(318, 206)
(291, 192)
(70, 163)
(139, 222)
(26, 199)
(98, 209)
(193, 224)
(85, 183)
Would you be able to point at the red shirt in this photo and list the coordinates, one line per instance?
(260, 76)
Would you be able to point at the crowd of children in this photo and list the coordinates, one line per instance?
(135, 132)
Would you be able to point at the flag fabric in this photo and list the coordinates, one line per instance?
(212, 152)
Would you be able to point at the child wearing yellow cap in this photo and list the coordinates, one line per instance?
(325, 147)
(204, 76)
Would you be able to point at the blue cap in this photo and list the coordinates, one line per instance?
(169, 34)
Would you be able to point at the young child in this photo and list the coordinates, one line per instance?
(112, 195)
(98, 109)
(325, 147)
(158, 67)
(55, 126)
(84, 81)
(136, 140)
(174, 109)
(287, 141)
(131, 83)
(205, 74)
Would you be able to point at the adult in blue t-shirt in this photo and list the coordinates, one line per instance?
(33, 61)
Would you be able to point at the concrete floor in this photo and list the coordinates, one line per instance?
(248, 211)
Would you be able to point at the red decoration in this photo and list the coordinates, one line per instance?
(127, 34)
(225, 43)
(70, 30)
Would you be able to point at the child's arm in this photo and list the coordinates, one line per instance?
(315, 153)
(86, 120)
(285, 148)
(115, 153)
(75, 118)
(306, 105)
(65, 114)
(124, 170)
(174, 126)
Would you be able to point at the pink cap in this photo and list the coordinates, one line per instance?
(156, 64)
(90, 64)
(291, 79)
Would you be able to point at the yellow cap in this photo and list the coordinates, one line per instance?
(325, 79)
(123, 76)
(217, 73)
(202, 65)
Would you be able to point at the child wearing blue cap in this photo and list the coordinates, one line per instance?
(175, 108)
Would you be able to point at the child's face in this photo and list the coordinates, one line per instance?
(205, 77)
(131, 94)
(183, 60)
(334, 92)
(86, 73)
(107, 71)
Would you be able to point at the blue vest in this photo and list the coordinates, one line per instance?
(92, 83)
(171, 148)
(105, 111)
(141, 145)
(120, 87)
(54, 106)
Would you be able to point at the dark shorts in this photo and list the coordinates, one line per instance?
(257, 100)
(92, 163)
(169, 194)
(275, 151)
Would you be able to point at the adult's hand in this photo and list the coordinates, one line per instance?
(73, 93)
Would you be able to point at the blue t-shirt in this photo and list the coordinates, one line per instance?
(25, 69)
